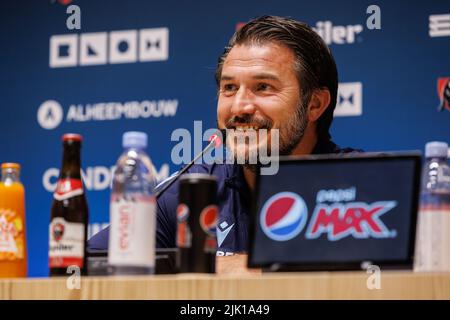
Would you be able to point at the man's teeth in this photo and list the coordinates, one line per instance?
(247, 128)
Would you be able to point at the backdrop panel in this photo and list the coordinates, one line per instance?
(149, 65)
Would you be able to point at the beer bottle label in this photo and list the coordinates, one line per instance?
(68, 188)
(12, 240)
(132, 231)
(66, 244)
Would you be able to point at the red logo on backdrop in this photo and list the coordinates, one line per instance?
(208, 220)
(443, 89)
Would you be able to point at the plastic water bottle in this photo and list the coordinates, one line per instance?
(433, 229)
(133, 210)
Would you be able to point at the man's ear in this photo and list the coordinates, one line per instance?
(318, 103)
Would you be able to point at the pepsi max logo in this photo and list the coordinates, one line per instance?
(358, 219)
(182, 212)
(283, 216)
(208, 220)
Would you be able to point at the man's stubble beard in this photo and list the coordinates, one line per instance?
(295, 130)
(290, 136)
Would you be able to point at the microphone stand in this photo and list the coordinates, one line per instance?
(166, 186)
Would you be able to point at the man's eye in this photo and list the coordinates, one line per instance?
(263, 87)
(229, 87)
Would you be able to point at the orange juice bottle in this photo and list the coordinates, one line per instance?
(13, 253)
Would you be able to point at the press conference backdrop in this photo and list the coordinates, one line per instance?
(149, 65)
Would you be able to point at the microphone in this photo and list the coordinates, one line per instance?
(214, 141)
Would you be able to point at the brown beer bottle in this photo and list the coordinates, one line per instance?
(69, 215)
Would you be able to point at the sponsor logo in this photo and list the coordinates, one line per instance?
(66, 243)
(100, 48)
(125, 224)
(439, 25)
(337, 216)
(68, 188)
(184, 234)
(357, 219)
(330, 33)
(283, 216)
(94, 178)
(349, 99)
(222, 231)
(208, 220)
(208, 223)
(50, 113)
(338, 34)
(58, 231)
(182, 212)
(443, 90)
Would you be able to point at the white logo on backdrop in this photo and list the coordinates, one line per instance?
(349, 99)
(94, 178)
(100, 48)
(93, 49)
(337, 34)
(123, 46)
(50, 114)
(439, 25)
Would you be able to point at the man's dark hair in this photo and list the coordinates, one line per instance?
(315, 65)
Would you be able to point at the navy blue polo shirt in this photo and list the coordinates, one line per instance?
(234, 198)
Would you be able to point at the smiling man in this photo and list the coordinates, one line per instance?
(275, 73)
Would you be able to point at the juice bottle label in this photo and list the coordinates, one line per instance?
(132, 233)
(11, 236)
(66, 244)
(68, 188)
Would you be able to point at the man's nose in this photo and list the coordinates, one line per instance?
(243, 102)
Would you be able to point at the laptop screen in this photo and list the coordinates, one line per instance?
(336, 213)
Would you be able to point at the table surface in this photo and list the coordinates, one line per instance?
(313, 285)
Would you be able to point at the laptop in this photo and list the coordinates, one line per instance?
(336, 212)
